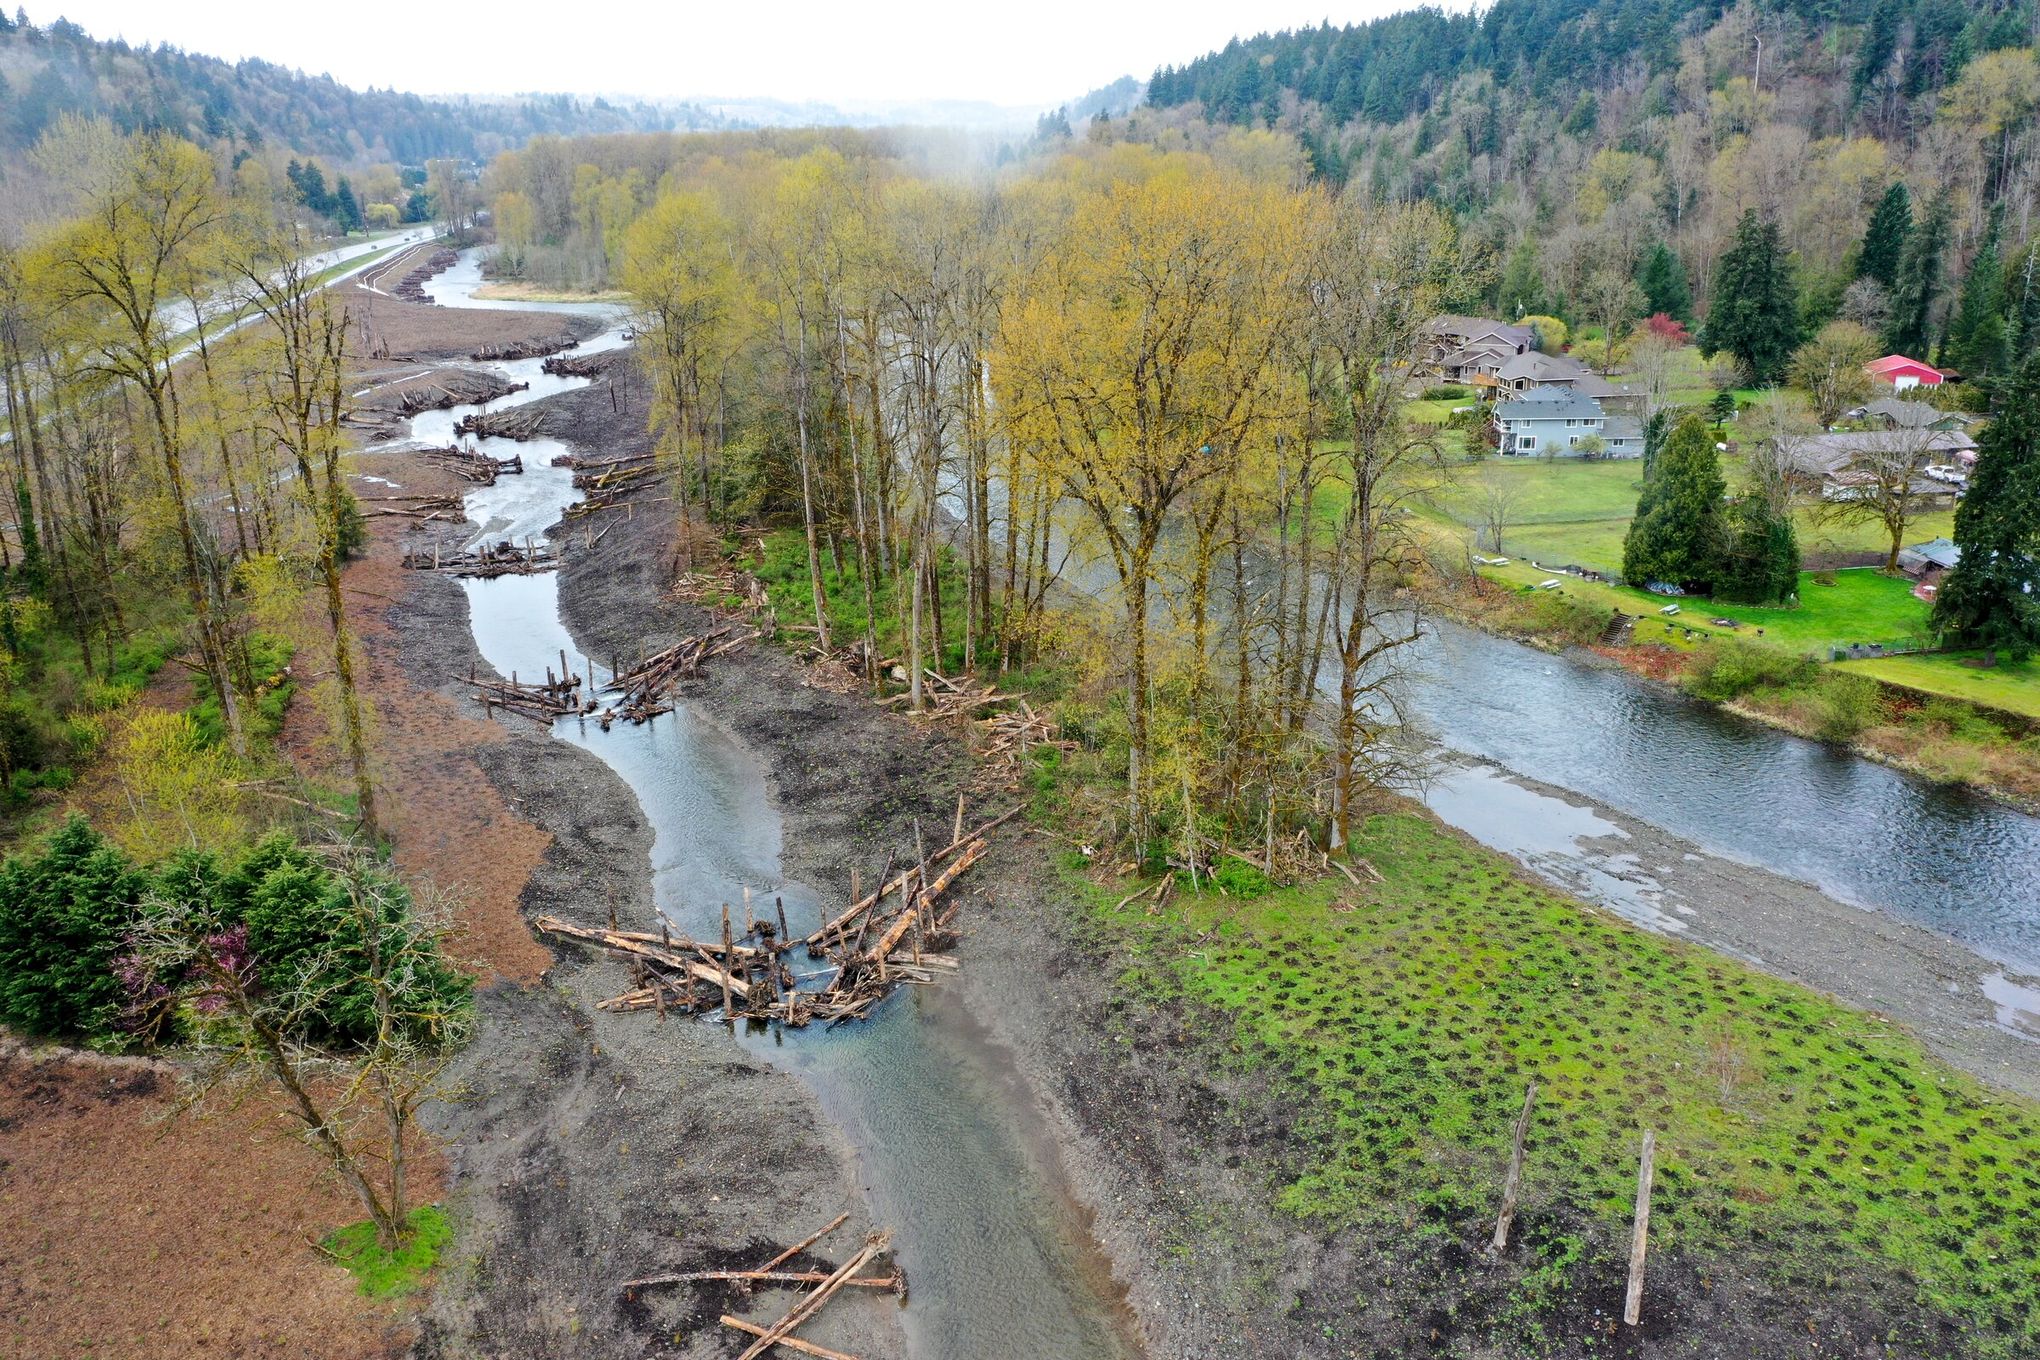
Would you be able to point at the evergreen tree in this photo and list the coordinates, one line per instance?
(1663, 280)
(1880, 41)
(69, 908)
(1721, 407)
(1762, 563)
(1991, 599)
(1884, 243)
(346, 207)
(2022, 304)
(1522, 288)
(1679, 535)
(1979, 341)
(34, 568)
(1920, 278)
(1755, 312)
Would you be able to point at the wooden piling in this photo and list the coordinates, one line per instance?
(724, 965)
(1639, 1233)
(1512, 1186)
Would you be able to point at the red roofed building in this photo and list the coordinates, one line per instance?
(1902, 372)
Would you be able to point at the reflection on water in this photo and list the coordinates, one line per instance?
(1549, 835)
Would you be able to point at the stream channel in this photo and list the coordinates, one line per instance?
(955, 1160)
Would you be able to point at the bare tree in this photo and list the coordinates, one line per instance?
(1496, 496)
(1883, 484)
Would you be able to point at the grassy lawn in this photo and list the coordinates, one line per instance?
(1862, 606)
(2012, 686)
(1401, 1022)
(1571, 511)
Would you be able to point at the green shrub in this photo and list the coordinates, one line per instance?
(1732, 668)
(1561, 616)
(1240, 879)
(268, 662)
(1446, 392)
(1844, 706)
(68, 908)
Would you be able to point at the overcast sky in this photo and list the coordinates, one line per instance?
(1033, 52)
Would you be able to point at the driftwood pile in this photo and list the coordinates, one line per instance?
(597, 474)
(526, 349)
(647, 685)
(470, 466)
(1006, 737)
(579, 365)
(714, 591)
(491, 560)
(943, 697)
(558, 696)
(774, 1274)
(892, 936)
(439, 391)
(424, 509)
(512, 422)
(411, 288)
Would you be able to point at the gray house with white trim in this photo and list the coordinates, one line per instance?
(1550, 422)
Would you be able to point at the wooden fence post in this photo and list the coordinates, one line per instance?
(1632, 1305)
(1512, 1186)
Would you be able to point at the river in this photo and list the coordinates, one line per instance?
(1863, 833)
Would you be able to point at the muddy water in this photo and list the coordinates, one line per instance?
(955, 1160)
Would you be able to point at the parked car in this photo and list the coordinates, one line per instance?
(1944, 472)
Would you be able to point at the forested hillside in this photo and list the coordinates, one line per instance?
(1575, 136)
(47, 72)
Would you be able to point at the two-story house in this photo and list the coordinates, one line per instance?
(1555, 421)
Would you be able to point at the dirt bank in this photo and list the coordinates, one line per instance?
(390, 329)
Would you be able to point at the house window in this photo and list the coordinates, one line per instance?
(1572, 442)
(1526, 443)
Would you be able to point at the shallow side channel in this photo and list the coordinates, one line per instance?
(956, 1161)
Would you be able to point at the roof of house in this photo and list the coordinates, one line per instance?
(1898, 363)
(1549, 403)
(1494, 351)
(1538, 367)
(1622, 427)
(1910, 415)
(1830, 455)
(1937, 552)
(1469, 328)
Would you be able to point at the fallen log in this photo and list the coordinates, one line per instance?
(470, 466)
(792, 1343)
(531, 348)
(512, 422)
(892, 1283)
(579, 365)
(858, 908)
(812, 1303)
